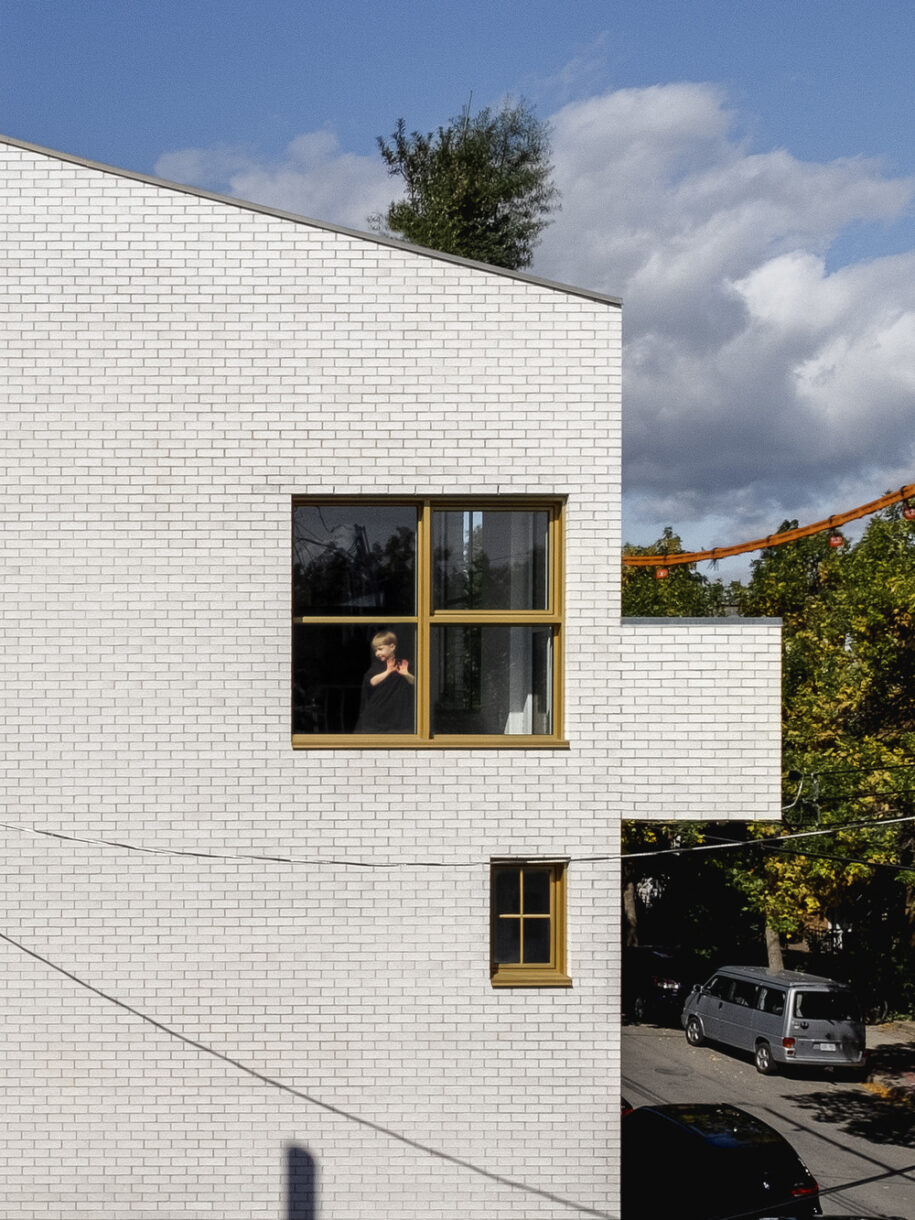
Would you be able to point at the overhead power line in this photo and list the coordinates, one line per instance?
(272, 1082)
(880, 766)
(378, 1128)
(821, 855)
(774, 846)
(338, 862)
(234, 857)
(774, 840)
(805, 531)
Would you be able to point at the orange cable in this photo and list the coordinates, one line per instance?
(721, 552)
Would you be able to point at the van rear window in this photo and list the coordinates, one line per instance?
(826, 1006)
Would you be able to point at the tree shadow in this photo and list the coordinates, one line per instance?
(895, 1059)
(857, 1112)
(301, 1184)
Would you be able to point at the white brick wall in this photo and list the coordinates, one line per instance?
(725, 673)
(178, 367)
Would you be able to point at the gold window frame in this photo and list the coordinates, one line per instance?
(426, 618)
(537, 974)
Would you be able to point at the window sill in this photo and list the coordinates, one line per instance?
(365, 741)
(532, 976)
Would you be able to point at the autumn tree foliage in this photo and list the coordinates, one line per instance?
(848, 725)
(848, 722)
(683, 593)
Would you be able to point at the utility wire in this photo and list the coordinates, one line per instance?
(318, 861)
(732, 843)
(854, 796)
(769, 845)
(272, 1082)
(819, 855)
(368, 1124)
(238, 857)
(900, 766)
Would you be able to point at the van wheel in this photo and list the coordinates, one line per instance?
(763, 1059)
(694, 1034)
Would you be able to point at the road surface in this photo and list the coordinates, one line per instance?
(860, 1149)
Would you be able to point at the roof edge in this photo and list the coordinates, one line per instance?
(296, 218)
(716, 620)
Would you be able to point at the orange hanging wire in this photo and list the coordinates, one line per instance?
(722, 552)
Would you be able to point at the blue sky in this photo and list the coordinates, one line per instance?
(742, 174)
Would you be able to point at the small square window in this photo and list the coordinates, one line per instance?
(528, 940)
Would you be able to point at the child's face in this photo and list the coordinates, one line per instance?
(384, 651)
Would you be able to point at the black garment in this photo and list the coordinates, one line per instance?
(387, 707)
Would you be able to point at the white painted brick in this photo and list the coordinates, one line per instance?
(178, 368)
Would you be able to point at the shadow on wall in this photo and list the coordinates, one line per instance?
(301, 1184)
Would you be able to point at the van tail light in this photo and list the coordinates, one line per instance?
(665, 984)
(788, 1044)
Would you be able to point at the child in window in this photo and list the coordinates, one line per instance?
(387, 690)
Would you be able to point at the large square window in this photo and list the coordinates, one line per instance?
(425, 622)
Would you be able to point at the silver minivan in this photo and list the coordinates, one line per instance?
(780, 1017)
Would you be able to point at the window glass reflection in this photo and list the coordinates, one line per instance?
(507, 941)
(355, 678)
(490, 560)
(491, 680)
(536, 892)
(353, 559)
(536, 940)
(507, 891)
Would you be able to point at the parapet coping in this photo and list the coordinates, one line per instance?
(718, 620)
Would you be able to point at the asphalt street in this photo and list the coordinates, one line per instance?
(858, 1145)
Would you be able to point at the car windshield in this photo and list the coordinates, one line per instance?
(826, 1006)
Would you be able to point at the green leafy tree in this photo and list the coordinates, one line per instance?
(683, 593)
(480, 187)
(848, 706)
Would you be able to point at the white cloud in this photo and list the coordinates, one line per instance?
(314, 178)
(758, 385)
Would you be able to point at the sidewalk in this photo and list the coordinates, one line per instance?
(891, 1061)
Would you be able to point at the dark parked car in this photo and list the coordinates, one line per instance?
(656, 981)
(707, 1162)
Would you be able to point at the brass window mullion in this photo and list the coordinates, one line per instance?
(341, 620)
(494, 618)
(557, 601)
(424, 573)
(557, 563)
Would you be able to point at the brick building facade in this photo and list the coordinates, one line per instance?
(248, 975)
